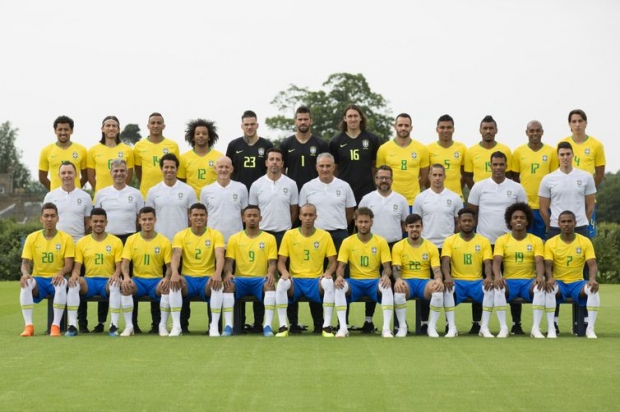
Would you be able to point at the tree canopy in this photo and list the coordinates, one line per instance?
(10, 161)
(131, 134)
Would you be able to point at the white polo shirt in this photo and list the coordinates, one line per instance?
(567, 191)
(224, 205)
(73, 207)
(389, 212)
(122, 207)
(171, 204)
(438, 211)
(492, 200)
(274, 198)
(330, 200)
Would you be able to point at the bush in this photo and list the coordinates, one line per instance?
(607, 247)
(11, 237)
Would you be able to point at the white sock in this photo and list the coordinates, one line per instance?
(538, 306)
(487, 307)
(435, 306)
(499, 301)
(60, 301)
(26, 301)
(270, 304)
(176, 302)
(387, 304)
(282, 300)
(550, 304)
(340, 301)
(400, 303)
(127, 305)
(592, 304)
(228, 304)
(328, 301)
(73, 302)
(164, 307)
(448, 305)
(115, 304)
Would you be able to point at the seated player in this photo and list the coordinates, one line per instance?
(253, 253)
(365, 253)
(202, 251)
(149, 252)
(413, 259)
(46, 258)
(100, 253)
(305, 249)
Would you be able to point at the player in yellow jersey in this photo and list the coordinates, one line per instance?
(149, 252)
(565, 256)
(413, 260)
(100, 255)
(477, 158)
(202, 252)
(519, 269)
(448, 153)
(306, 248)
(254, 254)
(63, 150)
(148, 151)
(46, 258)
(100, 156)
(407, 158)
(198, 164)
(465, 256)
(365, 254)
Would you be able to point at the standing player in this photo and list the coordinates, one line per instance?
(63, 150)
(407, 158)
(448, 153)
(149, 252)
(305, 250)
(198, 164)
(465, 257)
(413, 260)
(202, 252)
(365, 253)
(100, 255)
(46, 258)
(147, 153)
(253, 253)
(247, 153)
(101, 155)
(565, 257)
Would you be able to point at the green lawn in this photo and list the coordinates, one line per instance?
(308, 372)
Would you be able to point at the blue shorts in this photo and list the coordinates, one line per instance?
(538, 227)
(307, 287)
(146, 287)
(519, 288)
(96, 287)
(363, 287)
(45, 287)
(464, 289)
(571, 290)
(416, 287)
(196, 286)
(249, 286)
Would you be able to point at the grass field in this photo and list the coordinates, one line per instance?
(308, 372)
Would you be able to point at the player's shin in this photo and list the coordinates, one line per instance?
(435, 306)
(164, 307)
(499, 301)
(550, 305)
(593, 303)
(387, 305)
(270, 304)
(487, 307)
(27, 302)
(448, 304)
(400, 303)
(60, 301)
(538, 307)
(127, 305)
(73, 301)
(340, 301)
(176, 303)
(220, 300)
(115, 304)
(282, 300)
(328, 301)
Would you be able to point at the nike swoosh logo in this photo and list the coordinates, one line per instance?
(291, 150)
(343, 145)
(238, 151)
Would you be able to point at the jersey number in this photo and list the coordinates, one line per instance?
(414, 265)
(249, 161)
(98, 258)
(251, 254)
(48, 257)
(568, 260)
(467, 259)
(519, 257)
(364, 261)
(446, 164)
(147, 259)
(197, 253)
(355, 154)
(306, 254)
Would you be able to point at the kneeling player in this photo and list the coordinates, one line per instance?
(365, 253)
(306, 249)
(413, 259)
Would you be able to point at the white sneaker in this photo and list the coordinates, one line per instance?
(127, 332)
(163, 330)
(590, 334)
(213, 332)
(387, 333)
(402, 332)
(551, 333)
(452, 333)
(485, 333)
(432, 332)
(176, 331)
(342, 333)
(503, 332)
(535, 333)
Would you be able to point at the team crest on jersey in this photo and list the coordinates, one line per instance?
(79, 201)
(58, 246)
(211, 163)
(587, 151)
(449, 202)
(578, 250)
(130, 199)
(75, 155)
(414, 155)
(120, 154)
(338, 193)
(285, 190)
(425, 256)
(530, 248)
(180, 196)
(208, 243)
(365, 144)
(166, 150)
(261, 151)
(373, 250)
(545, 158)
(261, 245)
(108, 248)
(235, 196)
(508, 193)
(457, 155)
(312, 150)
(478, 248)
(316, 245)
(579, 183)
(395, 207)
(157, 250)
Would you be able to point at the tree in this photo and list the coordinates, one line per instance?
(10, 161)
(131, 134)
(608, 199)
(327, 106)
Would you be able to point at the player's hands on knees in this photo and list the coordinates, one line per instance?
(215, 282)
(550, 285)
(23, 281)
(127, 286)
(228, 281)
(385, 282)
(74, 281)
(488, 284)
(287, 276)
(58, 279)
(448, 283)
(399, 286)
(269, 280)
(593, 285)
(500, 283)
(339, 283)
(164, 286)
(437, 286)
(114, 281)
(175, 281)
(540, 284)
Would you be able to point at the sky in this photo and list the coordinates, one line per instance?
(515, 60)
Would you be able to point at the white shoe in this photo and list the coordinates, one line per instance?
(176, 331)
(535, 333)
(387, 333)
(452, 333)
(214, 333)
(485, 333)
(503, 332)
(402, 332)
(342, 333)
(551, 333)
(127, 332)
(590, 334)
(163, 330)
(432, 333)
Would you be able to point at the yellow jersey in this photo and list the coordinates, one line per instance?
(148, 256)
(252, 255)
(53, 155)
(415, 262)
(198, 171)
(147, 155)
(100, 157)
(478, 160)
(467, 257)
(587, 155)
(452, 158)
(198, 252)
(569, 258)
(307, 254)
(532, 166)
(406, 163)
(48, 256)
(364, 259)
(519, 256)
(99, 257)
